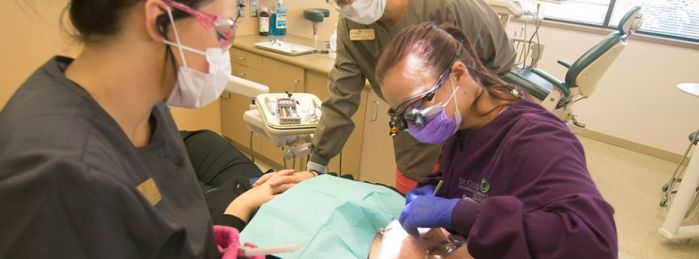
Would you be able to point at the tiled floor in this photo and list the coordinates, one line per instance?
(631, 182)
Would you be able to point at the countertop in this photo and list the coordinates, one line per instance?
(317, 62)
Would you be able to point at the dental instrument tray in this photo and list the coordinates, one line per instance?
(286, 48)
(289, 111)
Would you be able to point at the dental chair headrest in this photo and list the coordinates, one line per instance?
(632, 20)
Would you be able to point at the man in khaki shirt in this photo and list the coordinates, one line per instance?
(364, 29)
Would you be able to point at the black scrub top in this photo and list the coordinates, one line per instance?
(73, 186)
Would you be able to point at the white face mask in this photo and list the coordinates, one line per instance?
(195, 89)
(364, 11)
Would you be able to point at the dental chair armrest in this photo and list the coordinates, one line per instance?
(564, 63)
(557, 83)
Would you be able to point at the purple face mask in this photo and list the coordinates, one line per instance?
(438, 128)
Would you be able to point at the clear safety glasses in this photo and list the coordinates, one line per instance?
(411, 110)
(339, 4)
(223, 27)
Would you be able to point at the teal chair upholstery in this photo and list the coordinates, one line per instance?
(582, 76)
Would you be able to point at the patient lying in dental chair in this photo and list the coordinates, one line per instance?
(329, 215)
(322, 216)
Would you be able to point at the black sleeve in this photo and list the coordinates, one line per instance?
(231, 221)
(222, 169)
(216, 161)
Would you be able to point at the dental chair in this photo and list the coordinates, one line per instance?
(583, 75)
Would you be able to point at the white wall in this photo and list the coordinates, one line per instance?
(301, 27)
(296, 24)
(636, 100)
(30, 36)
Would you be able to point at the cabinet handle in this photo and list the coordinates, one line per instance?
(241, 59)
(296, 83)
(375, 115)
(242, 75)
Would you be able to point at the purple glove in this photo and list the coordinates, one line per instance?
(419, 191)
(427, 212)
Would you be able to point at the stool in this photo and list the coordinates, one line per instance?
(685, 200)
(316, 16)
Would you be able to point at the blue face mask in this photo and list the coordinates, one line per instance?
(438, 127)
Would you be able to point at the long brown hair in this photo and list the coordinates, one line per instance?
(436, 45)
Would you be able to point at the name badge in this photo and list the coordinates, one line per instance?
(361, 34)
(150, 191)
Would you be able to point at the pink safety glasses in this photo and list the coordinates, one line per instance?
(223, 27)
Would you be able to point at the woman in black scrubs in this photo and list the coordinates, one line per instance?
(91, 162)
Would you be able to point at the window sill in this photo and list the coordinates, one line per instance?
(605, 31)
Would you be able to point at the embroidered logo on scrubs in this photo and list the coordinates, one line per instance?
(485, 186)
(150, 191)
(474, 189)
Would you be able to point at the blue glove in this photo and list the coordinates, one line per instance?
(419, 191)
(427, 212)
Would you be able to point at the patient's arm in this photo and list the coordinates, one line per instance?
(395, 243)
(275, 183)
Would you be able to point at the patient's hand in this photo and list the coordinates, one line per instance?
(266, 177)
(283, 180)
(264, 190)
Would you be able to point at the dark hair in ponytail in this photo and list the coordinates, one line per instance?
(436, 45)
(96, 19)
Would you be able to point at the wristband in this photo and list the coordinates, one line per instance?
(314, 172)
(318, 168)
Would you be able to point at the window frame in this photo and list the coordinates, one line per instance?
(607, 20)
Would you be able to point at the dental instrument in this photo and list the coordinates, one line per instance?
(249, 251)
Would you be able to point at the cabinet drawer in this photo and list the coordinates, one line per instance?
(246, 58)
(247, 73)
(281, 77)
(269, 152)
(232, 124)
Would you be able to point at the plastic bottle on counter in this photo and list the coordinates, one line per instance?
(264, 21)
(273, 23)
(280, 22)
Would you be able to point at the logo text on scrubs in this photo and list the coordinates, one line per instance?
(474, 190)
